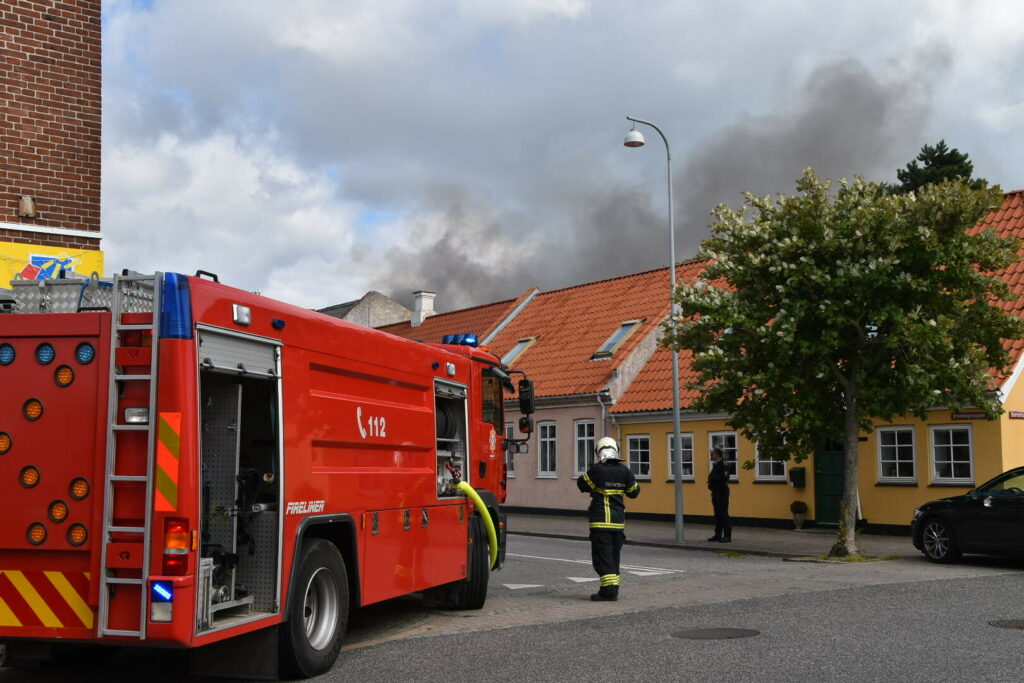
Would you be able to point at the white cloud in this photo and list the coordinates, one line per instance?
(253, 136)
(228, 206)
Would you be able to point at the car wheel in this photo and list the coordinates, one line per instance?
(317, 611)
(938, 542)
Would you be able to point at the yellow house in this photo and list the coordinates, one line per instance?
(901, 464)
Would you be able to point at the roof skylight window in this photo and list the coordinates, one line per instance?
(620, 335)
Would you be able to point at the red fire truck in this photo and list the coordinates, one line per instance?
(185, 464)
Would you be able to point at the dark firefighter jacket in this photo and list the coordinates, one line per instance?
(606, 483)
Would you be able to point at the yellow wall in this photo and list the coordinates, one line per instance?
(1013, 430)
(880, 504)
(14, 257)
(747, 499)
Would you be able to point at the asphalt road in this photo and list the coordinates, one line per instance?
(901, 619)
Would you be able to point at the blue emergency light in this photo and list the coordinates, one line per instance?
(176, 308)
(460, 340)
(163, 591)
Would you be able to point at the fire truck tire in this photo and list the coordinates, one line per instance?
(472, 593)
(317, 616)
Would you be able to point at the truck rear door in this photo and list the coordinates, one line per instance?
(53, 405)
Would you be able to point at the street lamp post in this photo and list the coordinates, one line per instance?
(635, 138)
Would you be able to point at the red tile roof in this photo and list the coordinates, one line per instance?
(652, 388)
(478, 320)
(1008, 221)
(572, 324)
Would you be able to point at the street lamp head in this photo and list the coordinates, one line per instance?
(634, 138)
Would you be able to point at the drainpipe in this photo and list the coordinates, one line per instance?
(601, 395)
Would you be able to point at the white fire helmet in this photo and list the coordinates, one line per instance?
(607, 449)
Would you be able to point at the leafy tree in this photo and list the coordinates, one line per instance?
(938, 163)
(821, 311)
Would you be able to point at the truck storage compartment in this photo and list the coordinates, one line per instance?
(240, 512)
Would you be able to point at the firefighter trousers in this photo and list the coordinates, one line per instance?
(605, 549)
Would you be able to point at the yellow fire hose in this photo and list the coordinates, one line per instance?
(492, 538)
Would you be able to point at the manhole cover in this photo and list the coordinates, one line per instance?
(716, 633)
(1008, 623)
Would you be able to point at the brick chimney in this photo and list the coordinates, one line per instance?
(423, 306)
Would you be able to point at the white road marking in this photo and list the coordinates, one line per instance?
(579, 580)
(517, 586)
(632, 567)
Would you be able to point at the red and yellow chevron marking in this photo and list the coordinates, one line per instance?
(168, 448)
(44, 598)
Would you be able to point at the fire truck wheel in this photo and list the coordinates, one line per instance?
(317, 611)
(472, 593)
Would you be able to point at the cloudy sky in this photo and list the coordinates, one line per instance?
(316, 149)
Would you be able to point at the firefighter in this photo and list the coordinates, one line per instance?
(607, 481)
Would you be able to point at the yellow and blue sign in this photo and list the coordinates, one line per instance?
(35, 262)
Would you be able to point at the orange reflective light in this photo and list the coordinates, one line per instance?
(36, 533)
(58, 511)
(77, 534)
(33, 409)
(176, 534)
(79, 488)
(29, 476)
(64, 376)
(5, 442)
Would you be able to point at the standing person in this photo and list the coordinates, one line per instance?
(718, 484)
(607, 481)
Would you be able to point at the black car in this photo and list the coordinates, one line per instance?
(988, 520)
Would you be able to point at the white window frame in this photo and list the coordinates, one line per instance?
(773, 464)
(733, 462)
(896, 447)
(510, 459)
(936, 479)
(683, 436)
(630, 459)
(587, 443)
(551, 442)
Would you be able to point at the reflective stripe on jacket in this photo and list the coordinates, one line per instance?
(607, 483)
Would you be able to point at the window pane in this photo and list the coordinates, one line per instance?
(687, 442)
(547, 448)
(640, 456)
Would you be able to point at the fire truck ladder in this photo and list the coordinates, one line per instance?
(131, 295)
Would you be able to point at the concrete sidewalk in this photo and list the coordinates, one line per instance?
(745, 539)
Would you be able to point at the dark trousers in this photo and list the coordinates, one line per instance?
(720, 501)
(605, 549)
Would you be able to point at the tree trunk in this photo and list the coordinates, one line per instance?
(846, 542)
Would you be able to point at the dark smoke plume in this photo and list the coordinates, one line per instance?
(846, 121)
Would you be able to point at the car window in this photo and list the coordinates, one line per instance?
(1011, 485)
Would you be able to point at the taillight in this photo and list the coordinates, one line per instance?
(6, 354)
(58, 511)
(32, 410)
(175, 547)
(36, 533)
(45, 353)
(79, 488)
(77, 534)
(5, 442)
(84, 353)
(29, 476)
(64, 376)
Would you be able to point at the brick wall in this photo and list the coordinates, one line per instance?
(50, 118)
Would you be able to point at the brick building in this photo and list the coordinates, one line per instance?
(50, 96)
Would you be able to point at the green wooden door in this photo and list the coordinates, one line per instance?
(828, 482)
